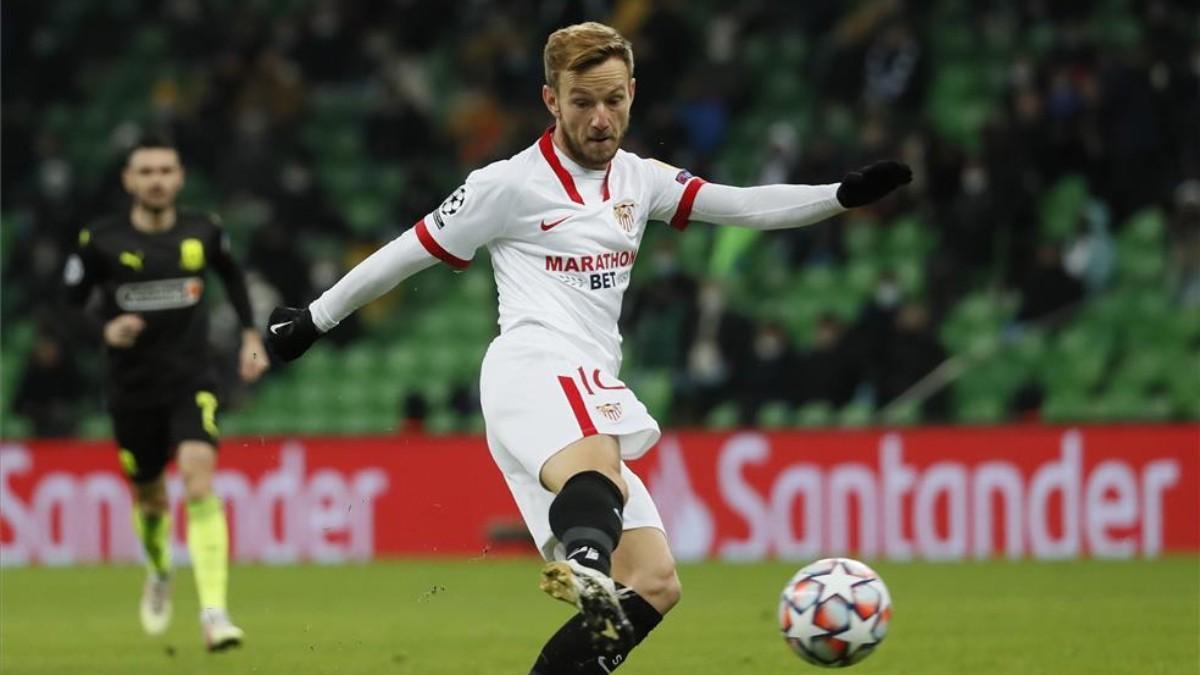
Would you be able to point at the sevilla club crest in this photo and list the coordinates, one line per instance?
(611, 411)
(623, 212)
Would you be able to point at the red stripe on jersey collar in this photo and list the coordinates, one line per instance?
(546, 145)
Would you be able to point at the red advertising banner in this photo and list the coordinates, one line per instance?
(941, 494)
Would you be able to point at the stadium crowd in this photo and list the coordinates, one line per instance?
(1056, 149)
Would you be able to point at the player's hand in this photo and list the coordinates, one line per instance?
(290, 332)
(872, 182)
(252, 361)
(123, 330)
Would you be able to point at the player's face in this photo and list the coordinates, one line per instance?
(592, 111)
(154, 177)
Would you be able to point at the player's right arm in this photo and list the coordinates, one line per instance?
(470, 217)
(82, 272)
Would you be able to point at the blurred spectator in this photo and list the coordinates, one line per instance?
(719, 344)
(657, 313)
(281, 264)
(1090, 255)
(894, 68)
(830, 371)
(910, 354)
(868, 340)
(772, 372)
(1184, 234)
(50, 388)
(1049, 288)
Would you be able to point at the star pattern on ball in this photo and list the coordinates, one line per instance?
(804, 628)
(838, 582)
(858, 633)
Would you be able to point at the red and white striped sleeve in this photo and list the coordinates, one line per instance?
(672, 193)
(473, 215)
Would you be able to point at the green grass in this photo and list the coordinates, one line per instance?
(488, 617)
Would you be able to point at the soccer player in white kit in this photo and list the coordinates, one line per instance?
(562, 221)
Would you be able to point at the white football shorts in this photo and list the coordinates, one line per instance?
(540, 393)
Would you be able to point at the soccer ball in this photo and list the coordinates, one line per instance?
(835, 612)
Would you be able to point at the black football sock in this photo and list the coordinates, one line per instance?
(586, 517)
(572, 649)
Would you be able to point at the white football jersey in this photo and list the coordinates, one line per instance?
(563, 239)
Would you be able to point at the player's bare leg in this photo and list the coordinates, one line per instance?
(151, 521)
(208, 543)
(643, 563)
(647, 587)
(586, 518)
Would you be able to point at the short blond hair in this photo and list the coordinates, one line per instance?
(579, 47)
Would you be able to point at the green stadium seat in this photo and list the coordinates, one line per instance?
(855, 414)
(1119, 404)
(908, 238)
(1144, 229)
(319, 364)
(724, 416)
(477, 287)
(1145, 315)
(316, 423)
(474, 424)
(14, 427)
(359, 361)
(1061, 207)
(996, 376)
(654, 391)
(815, 414)
(18, 338)
(981, 408)
(442, 421)
(310, 400)
(95, 426)
(354, 396)
(232, 424)
(1066, 405)
(860, 276)
(693, 250)
(775, 415)
(1028, 351)
(1184, 387)
(401, 363)
(390, 181)
(1142, 370)
(1078, 360)
(904, 415)
(435, 391)
(979, 314)
(861, 238)
(365, 214)
(1141, 267)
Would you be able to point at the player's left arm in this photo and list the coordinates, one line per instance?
(252, 357)
(772, 207)
(680, 197)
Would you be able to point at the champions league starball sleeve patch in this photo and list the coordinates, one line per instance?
(452, 205)
(683, 176)
(454, 202)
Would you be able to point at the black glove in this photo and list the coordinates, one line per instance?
(290, 332)
(872, 182)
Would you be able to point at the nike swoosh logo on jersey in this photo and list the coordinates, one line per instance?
(276, 326)
(549, 226)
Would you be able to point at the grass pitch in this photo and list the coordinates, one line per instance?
(487, 616)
